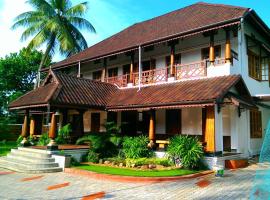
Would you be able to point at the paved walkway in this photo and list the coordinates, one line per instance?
(235, 185)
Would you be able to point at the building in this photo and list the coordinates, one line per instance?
(202, 70)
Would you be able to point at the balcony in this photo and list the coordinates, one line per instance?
(182, 71)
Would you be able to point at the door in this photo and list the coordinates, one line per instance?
(173, 121)
(95, 122)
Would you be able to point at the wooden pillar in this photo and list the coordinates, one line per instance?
(172, 58)
(25, 128)
(212, 50)
(104, 70)
(52, 133)
(152, 134)
(209, 128)
(32, 126)
(131, 68)
(228, 47)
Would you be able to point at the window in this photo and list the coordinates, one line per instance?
(97, 75)
(255, 124)
(126, 69)
(113, 72)
(254, 66)
(205, 52)
(265, 69)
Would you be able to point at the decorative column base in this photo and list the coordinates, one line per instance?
(24, 142)
(151, 144)
(52, 145)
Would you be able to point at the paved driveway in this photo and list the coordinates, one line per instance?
(235, 185)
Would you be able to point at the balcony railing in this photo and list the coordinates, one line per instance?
(151, 76)
(191, 70)
(120, 81)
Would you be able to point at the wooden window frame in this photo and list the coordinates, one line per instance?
(205, 51)
(254, 71)
(97, 75)
(113, 72)
(255, 124)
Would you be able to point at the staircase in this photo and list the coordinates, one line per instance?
(29, 160)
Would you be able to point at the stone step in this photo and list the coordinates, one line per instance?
(30, 154)
(29, 149)
(19, 167)
(30, 165)
(30, 159)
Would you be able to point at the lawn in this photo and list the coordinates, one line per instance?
(6, 147)
(134, 172)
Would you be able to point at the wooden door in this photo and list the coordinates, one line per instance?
(95, 122)
(209, 128)
(173, 121)
(129, 123)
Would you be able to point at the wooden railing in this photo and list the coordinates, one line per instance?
(218, 61)
(191, 70)
(120, 81)
(151, 76)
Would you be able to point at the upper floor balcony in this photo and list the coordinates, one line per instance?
(176, 72)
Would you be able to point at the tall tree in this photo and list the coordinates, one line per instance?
(17, 75)
(55, 24)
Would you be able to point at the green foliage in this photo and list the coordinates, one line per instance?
(92, 156)
(19, 140)
(187, 149)
(63, 136)
(146, 161)
(5, 128)
(74, 162)
(43, 140)
(136, 147)
(55, 25)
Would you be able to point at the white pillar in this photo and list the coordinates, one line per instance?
(234, 127)
(218, 130)
(244, 133)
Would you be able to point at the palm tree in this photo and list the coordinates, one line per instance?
(54, 24)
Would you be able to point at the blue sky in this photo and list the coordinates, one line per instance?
(109, 16)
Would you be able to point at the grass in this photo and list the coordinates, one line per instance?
(134, 172)
(6, 147)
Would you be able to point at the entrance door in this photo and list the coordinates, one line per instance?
(129, 123)
(173, 122)
(95, 122)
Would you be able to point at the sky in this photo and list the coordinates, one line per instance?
(108, 17)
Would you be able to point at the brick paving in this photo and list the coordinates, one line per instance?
(236, 184)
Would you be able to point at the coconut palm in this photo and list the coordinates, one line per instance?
(55, 24)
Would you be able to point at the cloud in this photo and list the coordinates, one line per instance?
(108, 18)
(10, 39)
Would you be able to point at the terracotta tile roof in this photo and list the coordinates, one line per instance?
(67, 90)
(200, 91)
(195, 17)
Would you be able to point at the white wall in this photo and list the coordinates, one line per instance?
(226, 119)
(218, 129)
(160, 121)
(192, 121)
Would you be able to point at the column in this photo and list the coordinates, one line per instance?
(172, 67)
(52, 133)
(209, 128)
(25, 128)
(104, 70)
(228, 47)
(212, 50)
(32, 126)
(131, 68)
(218, 130)
(152, 128)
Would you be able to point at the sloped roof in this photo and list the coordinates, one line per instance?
(195, 17)
(63, 90)
(201, 91)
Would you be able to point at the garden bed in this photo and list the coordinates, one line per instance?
(103, 169)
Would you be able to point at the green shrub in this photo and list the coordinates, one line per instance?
(19, 140)
(187, 149)
(63, 136)
(43, 140)
(92, 156)
(146, 161)
(100, 143)
(136, 147)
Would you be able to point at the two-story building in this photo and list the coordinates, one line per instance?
(202, 70)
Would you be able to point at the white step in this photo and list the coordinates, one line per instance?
(28, 149)
(5, 163)
(29, 158)
(32, 164)
(32, 154)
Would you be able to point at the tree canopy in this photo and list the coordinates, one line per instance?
(17, 75)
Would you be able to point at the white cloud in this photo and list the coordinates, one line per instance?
(10, 39)
(105, 17)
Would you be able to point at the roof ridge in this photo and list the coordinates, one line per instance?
(219, 5)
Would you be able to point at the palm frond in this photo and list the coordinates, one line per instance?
(82, 23)
(77, 10)
(42, 5)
